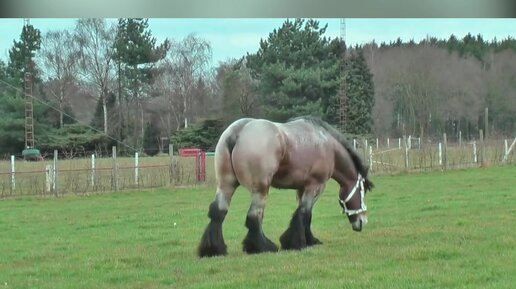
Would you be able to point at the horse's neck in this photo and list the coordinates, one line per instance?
(344, 171)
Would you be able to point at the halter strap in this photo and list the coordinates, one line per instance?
(363, 207)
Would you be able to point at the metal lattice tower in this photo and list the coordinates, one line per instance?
(342, 88)
(29, 109)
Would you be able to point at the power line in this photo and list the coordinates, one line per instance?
(68, 115)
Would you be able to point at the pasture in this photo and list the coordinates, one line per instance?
(451, 229)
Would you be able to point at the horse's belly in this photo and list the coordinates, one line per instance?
(287, 181)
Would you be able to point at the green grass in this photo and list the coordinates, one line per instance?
(431, 230)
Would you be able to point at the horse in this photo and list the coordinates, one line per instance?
(301, 154)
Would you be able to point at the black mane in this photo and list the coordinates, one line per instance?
(360, 167)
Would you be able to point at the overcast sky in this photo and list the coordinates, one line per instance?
(233, 38)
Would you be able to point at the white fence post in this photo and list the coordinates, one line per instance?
(440, 154)
(13, 177)
(399, 143)
(508, 150)
(54, 173)
(136, 182)
(48, 177)
(355, 144)
(92, 171)
(475, 159)
(376, 143)
(388, 144)
(506, 147)
(406, 152)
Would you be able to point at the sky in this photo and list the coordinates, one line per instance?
(233, 38)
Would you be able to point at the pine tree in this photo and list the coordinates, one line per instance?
(298, 70)
(136, 54)
(360, 95)
(21, 55)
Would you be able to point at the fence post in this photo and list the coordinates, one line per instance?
(377, 143)
(440, 154)
(506, 147)
(355, 144)
(48, 178)
(399, 142)
(482, 150)
(136, 179)
(445, 153)
(508, 150)
(92, 171)
(172, 168)
(370, 158)
(54, 174)
(13, 177)
(475, 160)
(388, 144)
(460, 138)
(114, 173)
(406, 152)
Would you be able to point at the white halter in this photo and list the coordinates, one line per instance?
(363, 207)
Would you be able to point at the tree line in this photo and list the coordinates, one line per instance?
(102, 84)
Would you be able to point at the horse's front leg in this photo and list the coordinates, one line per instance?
(299, 234)
(256, 241)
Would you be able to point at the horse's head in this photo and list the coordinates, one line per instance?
(353, 203)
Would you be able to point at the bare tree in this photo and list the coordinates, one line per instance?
(416, 86)
(167, 87)
(239, 89)
(95, 39)
(190, 59)
(59, 56)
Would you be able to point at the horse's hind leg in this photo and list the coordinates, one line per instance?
(212, 241)
(299, 234)
(256, 241)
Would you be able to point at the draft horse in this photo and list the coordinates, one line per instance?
(301, 154)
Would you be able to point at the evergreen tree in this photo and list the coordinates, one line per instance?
(360, 95)
(298, 70)
(136, 54)
(21, 55)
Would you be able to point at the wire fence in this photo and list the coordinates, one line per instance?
(393, 156)
(98, 175)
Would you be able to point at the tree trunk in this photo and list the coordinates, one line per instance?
(61, 108)
(104, 110)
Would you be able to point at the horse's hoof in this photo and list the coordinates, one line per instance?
(292, 241)
(313, 242)
(212, 251)
(253, 246)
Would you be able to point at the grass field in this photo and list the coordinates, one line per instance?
(432, 230)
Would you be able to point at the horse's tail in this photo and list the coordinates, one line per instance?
(227, 142)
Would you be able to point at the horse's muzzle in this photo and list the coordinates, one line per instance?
(361, 221)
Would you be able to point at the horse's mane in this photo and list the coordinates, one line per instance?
(360, 167)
